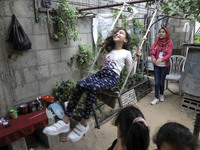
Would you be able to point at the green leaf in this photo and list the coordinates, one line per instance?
(66, 16)
(184, 8)
(83, 57)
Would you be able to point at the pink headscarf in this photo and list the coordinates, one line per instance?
(163, 42)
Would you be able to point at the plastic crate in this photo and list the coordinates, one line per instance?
(129, 97)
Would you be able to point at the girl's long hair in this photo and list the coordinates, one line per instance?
(136, 135)
(110, 44)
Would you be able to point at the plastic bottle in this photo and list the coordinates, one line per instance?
(50, 116)
(48, 99)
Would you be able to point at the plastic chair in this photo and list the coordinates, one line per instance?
(177, 63)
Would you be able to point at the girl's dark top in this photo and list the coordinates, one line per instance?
(113, 145)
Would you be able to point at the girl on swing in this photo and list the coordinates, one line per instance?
(117, 45)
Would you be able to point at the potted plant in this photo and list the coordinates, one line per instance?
(134, 40)
(66, 18)
(137, 81)
(83, 58)
(63, 92)
(137, 26)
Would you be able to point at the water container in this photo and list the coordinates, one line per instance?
(50, 116)
(150, 65)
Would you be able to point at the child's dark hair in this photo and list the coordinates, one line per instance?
(135, 134)
(175, 134)
(110, 44)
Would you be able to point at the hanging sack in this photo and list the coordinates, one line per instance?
(18, 37)
(46, 3)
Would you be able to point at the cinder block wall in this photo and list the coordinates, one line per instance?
(178, 36)
(24, 75)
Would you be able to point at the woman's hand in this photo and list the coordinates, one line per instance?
(154, 61)
(102, 45)
(138, 52)
(158, 61)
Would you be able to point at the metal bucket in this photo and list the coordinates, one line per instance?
(191, 75)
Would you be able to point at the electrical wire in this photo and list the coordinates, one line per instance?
(158, 20)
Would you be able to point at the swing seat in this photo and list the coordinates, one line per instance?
(109, 97)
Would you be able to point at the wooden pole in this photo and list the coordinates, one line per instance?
(196, 128)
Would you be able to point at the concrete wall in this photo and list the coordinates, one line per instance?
(177, 35)
(24, 75)
(28, 74)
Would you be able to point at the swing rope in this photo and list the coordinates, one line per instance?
(134, 63)
(110, 30)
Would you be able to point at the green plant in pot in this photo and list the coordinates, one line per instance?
(132, 80)
(63, 92)
(124, 22)
(83, 57)
(138, 26)
(134, 40)
(66, 16)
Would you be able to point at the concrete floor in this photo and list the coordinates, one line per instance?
(101, 139)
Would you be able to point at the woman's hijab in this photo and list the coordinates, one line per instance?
(164, 41)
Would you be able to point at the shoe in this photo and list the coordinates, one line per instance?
(57, 128)
(155, 101)
(77, 133)
(162, 98)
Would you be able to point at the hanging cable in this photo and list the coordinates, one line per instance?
(158, 20)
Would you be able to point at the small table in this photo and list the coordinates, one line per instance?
(22, 126)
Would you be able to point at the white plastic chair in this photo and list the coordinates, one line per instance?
(177, 63)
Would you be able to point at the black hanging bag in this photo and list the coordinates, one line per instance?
(18, 37)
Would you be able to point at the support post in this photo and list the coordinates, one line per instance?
(196, 128)
(36, 10)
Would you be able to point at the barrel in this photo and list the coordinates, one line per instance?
(191, 75)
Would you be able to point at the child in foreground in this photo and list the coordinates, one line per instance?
(174, 136)
(132, 130)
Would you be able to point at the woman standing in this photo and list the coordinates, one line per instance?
(160, 53)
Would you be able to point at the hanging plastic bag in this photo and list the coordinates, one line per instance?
(46, 3)
(18, 37)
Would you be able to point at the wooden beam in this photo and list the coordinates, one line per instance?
(112, 5)
(35, 2)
